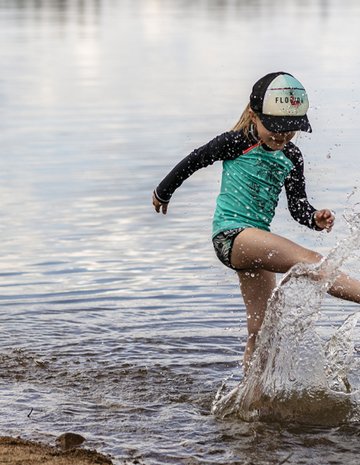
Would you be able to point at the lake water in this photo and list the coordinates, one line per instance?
(118, 323)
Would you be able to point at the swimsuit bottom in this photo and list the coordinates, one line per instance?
(223, 244)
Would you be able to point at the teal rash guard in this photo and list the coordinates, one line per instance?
(250, 188)
(252, 179)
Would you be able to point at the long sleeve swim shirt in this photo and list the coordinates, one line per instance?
(252, 178)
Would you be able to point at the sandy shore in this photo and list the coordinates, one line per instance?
(16, 451)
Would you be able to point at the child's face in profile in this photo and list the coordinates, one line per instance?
(274, 140)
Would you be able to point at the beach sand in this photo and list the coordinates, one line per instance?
(16, 451)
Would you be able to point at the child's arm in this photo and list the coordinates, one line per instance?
(224, 147)
(299, 206)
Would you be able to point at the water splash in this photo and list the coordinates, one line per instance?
(294, 374)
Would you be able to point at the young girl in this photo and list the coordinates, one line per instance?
(258, 160)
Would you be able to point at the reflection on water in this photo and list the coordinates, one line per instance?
(118, 323)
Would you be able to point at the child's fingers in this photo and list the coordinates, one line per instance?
(325, 219)
(159, 205)
(329, 220)
(325, 214)
(156, 204)
(329, 215)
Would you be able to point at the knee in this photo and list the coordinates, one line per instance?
(311, 257)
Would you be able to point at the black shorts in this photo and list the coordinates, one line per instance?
(223, 243)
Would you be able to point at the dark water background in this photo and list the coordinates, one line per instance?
(118, 323)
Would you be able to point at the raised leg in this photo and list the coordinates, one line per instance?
(261, 254)
(256, 249)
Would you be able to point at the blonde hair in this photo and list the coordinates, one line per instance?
(244, 122)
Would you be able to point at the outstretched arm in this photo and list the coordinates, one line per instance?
(224, 147)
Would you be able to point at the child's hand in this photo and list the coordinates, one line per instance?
(159, 205)
(324, 219)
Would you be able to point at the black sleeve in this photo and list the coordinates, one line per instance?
(224, 147)
(300, 208)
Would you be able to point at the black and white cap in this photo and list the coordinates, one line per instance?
(281, 102)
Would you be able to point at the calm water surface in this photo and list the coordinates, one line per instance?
(118, 323)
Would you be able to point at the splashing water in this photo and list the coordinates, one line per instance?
(294, 374)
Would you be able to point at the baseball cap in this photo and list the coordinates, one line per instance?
(281, 103)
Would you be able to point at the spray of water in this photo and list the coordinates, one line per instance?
(294, 374)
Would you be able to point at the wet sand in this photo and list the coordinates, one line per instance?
(22, 452)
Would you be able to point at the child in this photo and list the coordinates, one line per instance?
(258, 160)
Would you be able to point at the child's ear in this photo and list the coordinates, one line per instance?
(252, 115)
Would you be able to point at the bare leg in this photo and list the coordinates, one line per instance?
(256, 288)
(254, 248)
(346, 288)
(257, 249)
(261, 254)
